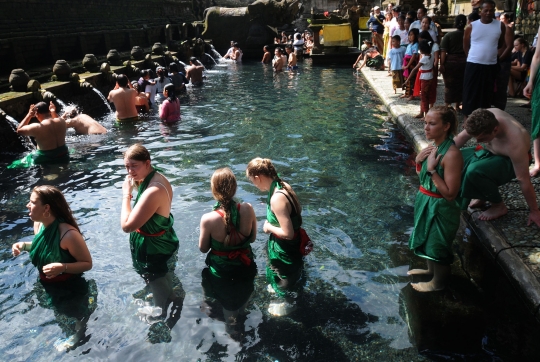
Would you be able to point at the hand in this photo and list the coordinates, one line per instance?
(17, 248)
(52, 107)
(266, 227)
(433, 160)
(32, 110)
(54, 269)
(527, 91)
(127, 186)
(534, 216)
(424, 154)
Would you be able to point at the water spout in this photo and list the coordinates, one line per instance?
(61, 103)
(216, 54)
(103, 99)
(209, 56)
(25, 140)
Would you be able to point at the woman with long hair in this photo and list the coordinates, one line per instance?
(436, 211)
(453, 62)
(58, 249)
(161, 81)
(283, 223)
(169, 110)
(521, 61)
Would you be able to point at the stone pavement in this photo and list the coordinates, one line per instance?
(514, 245)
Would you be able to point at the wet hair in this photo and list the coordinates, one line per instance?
(415, 33)
(460, 21)
(42, 108)
(447, 115)
(264, 166)
(235, 44)
(122, 80)
(171, 94)
(425, 46)
(523, 42)
(473, 16)
(50, 195)
(135, 86)
(71, 111)
(279, 50)
(288, 46)
(266, 47)
(425, 35)
(481, 121)
(161, 74)
(193, 60)
(396, 37)
(223, 186)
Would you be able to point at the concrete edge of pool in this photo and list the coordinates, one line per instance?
(512, 263)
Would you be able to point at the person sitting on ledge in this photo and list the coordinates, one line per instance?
(80, 122)
(194, 72)
(123, 97)
(371, 56)
(49, 134)
(504, 156)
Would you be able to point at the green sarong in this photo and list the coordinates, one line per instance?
(535, 106)
(285, 259)
(155, 242)
(232, 262)
(375, 62)
(483, 173)
(46, 248)
(436, 220)
(40, 157)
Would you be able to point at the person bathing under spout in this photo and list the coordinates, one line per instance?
(436, 211)
(123, 97)
(81, 123)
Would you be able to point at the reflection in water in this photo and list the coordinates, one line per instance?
(225, 299)
(73, 301)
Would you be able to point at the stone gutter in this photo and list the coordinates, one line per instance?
(494, 241)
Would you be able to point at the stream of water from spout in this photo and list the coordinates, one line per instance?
(103, 98)
(61, 103)
(216, 54)
(209, 56)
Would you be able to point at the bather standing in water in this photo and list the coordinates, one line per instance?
(267, 57)
(81, 123)
(283, 223)
(291, 62)
(169, 110)
(152, 239)
(278, 62)
(226, 235)
(123, 97)
(194, 72)
(49, 133)
(436, 211)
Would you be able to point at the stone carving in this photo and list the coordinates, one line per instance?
(248, 25)
(18, 79)
(137, 53)
(90, 63)
(62, 70)
(113, 57)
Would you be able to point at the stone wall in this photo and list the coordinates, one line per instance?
(38, 32)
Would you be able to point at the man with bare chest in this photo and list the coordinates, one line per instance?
(504, 156)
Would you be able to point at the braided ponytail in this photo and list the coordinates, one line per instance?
(223, 185)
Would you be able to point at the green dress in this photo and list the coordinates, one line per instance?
(436, 220)
(153, 245)
(285, 259)
(228, 261)
(40, 157)
(46, 249)
(535, 106)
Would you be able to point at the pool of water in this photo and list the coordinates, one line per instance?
(329, 137)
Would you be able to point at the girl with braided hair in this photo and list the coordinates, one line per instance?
(228, 231)
(283, 223)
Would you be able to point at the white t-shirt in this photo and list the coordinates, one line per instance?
(404, 35)
(427, 64)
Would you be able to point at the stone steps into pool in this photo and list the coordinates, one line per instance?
(514, 246)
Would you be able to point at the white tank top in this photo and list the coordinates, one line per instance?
(484, 42)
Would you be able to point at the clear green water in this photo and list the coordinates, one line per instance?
(327, 135)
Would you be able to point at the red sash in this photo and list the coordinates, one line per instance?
(233, 254)
(429, 193)
(417, 81)
(154, 235)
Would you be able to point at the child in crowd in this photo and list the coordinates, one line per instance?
(402, 32)
(426, 76)
(409, 62)
(395, 56)
(435, 52)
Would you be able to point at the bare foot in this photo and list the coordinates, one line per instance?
(477, 204)
(412, 98)
(535, 171)
(427, 287)
(494, 212)
(403, 96)
(420, 272)
(419, 115)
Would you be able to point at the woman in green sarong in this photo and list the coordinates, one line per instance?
(436, 211)
(283, 222)
(532, 91)
(226, 235)
(152, 239)
(60, 254)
